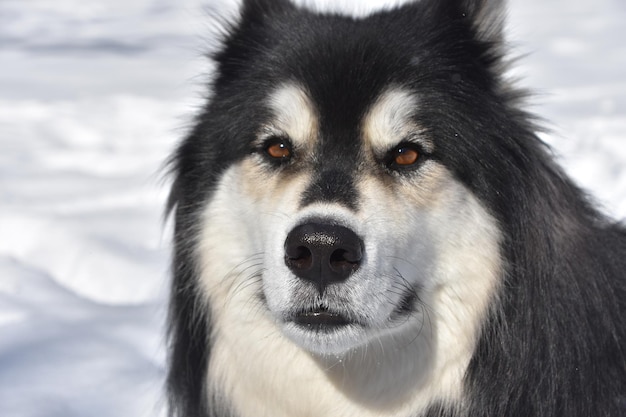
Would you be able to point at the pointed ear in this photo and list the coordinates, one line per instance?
(242, 37)
(487, 18)
(484, 17)
(258, 10)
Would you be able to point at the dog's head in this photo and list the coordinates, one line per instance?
(347, 231)
(340, 175)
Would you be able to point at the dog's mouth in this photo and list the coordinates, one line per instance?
(320, 319)
(324, 329)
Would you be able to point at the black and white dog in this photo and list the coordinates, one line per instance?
(366, 225)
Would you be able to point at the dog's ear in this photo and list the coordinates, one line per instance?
(475, 27)
(245, 35)
(486, 17)
(257, 10)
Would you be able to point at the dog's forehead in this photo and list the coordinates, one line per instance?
(391, 119)
(387, 120)
(294, 112)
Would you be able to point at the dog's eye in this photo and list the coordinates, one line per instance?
(404, 156)
(278, 148)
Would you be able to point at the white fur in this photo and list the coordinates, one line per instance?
(294, 114)
(389, 121)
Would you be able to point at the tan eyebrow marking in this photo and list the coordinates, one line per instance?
(390, 121)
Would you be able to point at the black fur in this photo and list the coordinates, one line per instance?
(555, 344)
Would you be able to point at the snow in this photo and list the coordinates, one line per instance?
(94, 96)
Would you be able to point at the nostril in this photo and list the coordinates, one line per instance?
(338, 256)
(344, 261)
(300, 258)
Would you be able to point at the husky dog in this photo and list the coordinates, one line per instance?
(366, 225)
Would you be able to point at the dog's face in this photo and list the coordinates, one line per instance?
(344, 234)
(342, 199)
(337, 175)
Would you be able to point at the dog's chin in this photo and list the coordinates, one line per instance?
(321, 337)
(321, 331)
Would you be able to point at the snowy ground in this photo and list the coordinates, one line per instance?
(94, 95)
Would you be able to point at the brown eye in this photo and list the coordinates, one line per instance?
(278, 149)
(405, 156)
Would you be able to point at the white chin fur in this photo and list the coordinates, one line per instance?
(333, 342)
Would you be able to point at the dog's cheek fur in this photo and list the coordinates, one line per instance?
(245, 216)
(250, 358)
(443, 241)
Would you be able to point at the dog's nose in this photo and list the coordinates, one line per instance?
(323, 253)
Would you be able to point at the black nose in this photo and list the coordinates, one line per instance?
(323, 253)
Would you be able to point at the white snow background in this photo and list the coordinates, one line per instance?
(93, 97)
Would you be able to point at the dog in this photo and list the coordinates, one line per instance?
(367, 225)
